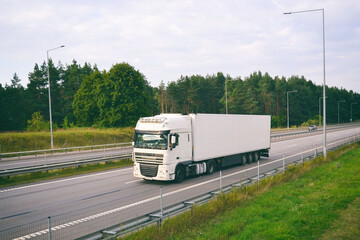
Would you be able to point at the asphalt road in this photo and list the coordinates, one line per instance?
(88, 203)
(28, 161)
(62, 157)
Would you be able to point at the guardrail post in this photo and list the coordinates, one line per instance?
(161, 206)
(302, 155)
(258, 168)
(283, 160)
(315, 153)
(49, 224)
(220, 181)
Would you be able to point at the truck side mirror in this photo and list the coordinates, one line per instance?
(174, 140)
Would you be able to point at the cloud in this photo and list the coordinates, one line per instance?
(167, 39)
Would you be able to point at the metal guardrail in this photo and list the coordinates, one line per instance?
(61, 225)
(291, 132)
(161, 214)
(66, 150)
(274, 135)
(52, 166)
(44, 167)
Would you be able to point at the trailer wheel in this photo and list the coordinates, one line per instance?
(250, 157)
(179, 174)
(256, 156)
(210, 167)
(243, 159)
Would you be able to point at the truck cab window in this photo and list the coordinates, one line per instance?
(151, 140)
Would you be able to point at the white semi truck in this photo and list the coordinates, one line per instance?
(175, 146)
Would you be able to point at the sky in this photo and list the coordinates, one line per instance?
(165, 39)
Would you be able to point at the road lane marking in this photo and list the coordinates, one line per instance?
(72, 223)
(292, 145)
(138, 180)
(63, 180)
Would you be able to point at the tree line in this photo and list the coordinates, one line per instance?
(83, 96)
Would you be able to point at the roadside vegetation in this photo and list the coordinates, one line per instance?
(84, 96)
(73, 137)
(316, 200)
(62, 173)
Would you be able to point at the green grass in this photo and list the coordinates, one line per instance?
(74, 137)
(347, 226)
(61, 173)
(308, 201)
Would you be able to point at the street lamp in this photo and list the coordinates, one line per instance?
(287, 104)
(339, 110)
(320, 111)
(48, 75)
(324, 85)
(351, 119)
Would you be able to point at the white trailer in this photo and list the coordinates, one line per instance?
(175, 146)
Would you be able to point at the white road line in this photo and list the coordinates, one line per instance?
(292, 145)
(138, 180)
(72, 223)
(63, 180)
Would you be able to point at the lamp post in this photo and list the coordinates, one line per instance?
(351, 119)
(48, 75)
(287, 105)
(320, 111)
(324, 85)
(339, 110)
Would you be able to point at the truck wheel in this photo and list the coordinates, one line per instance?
(250, 157)
(256, 156)
(243, 159)
(179, 174)
(210, 167)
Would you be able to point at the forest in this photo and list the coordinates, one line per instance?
(83, 96)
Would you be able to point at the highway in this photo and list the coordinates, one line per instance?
(84, 204)
(27, 161)
(57, 157)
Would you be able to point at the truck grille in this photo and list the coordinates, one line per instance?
(148, 170)
(151, 158)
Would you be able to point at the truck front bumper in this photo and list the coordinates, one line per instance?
(154, 172)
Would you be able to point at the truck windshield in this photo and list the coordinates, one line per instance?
(151, 140)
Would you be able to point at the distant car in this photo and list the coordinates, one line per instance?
(312, 127)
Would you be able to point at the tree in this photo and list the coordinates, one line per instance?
(37, 123)
(85, 102)
(74, 75)
(114, 99)
(15, 81)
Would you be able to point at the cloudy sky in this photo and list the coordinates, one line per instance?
(165, 39)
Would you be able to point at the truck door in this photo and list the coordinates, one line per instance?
(180, 146)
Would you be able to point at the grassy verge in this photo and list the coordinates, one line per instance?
(306, 202)
(26, 141)
(347, 226)
(61, 173)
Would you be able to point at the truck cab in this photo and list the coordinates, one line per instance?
(161, 144)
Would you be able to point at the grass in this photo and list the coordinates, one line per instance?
(347, 226)
(61, 173)
(74, 137)
(310, 201)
